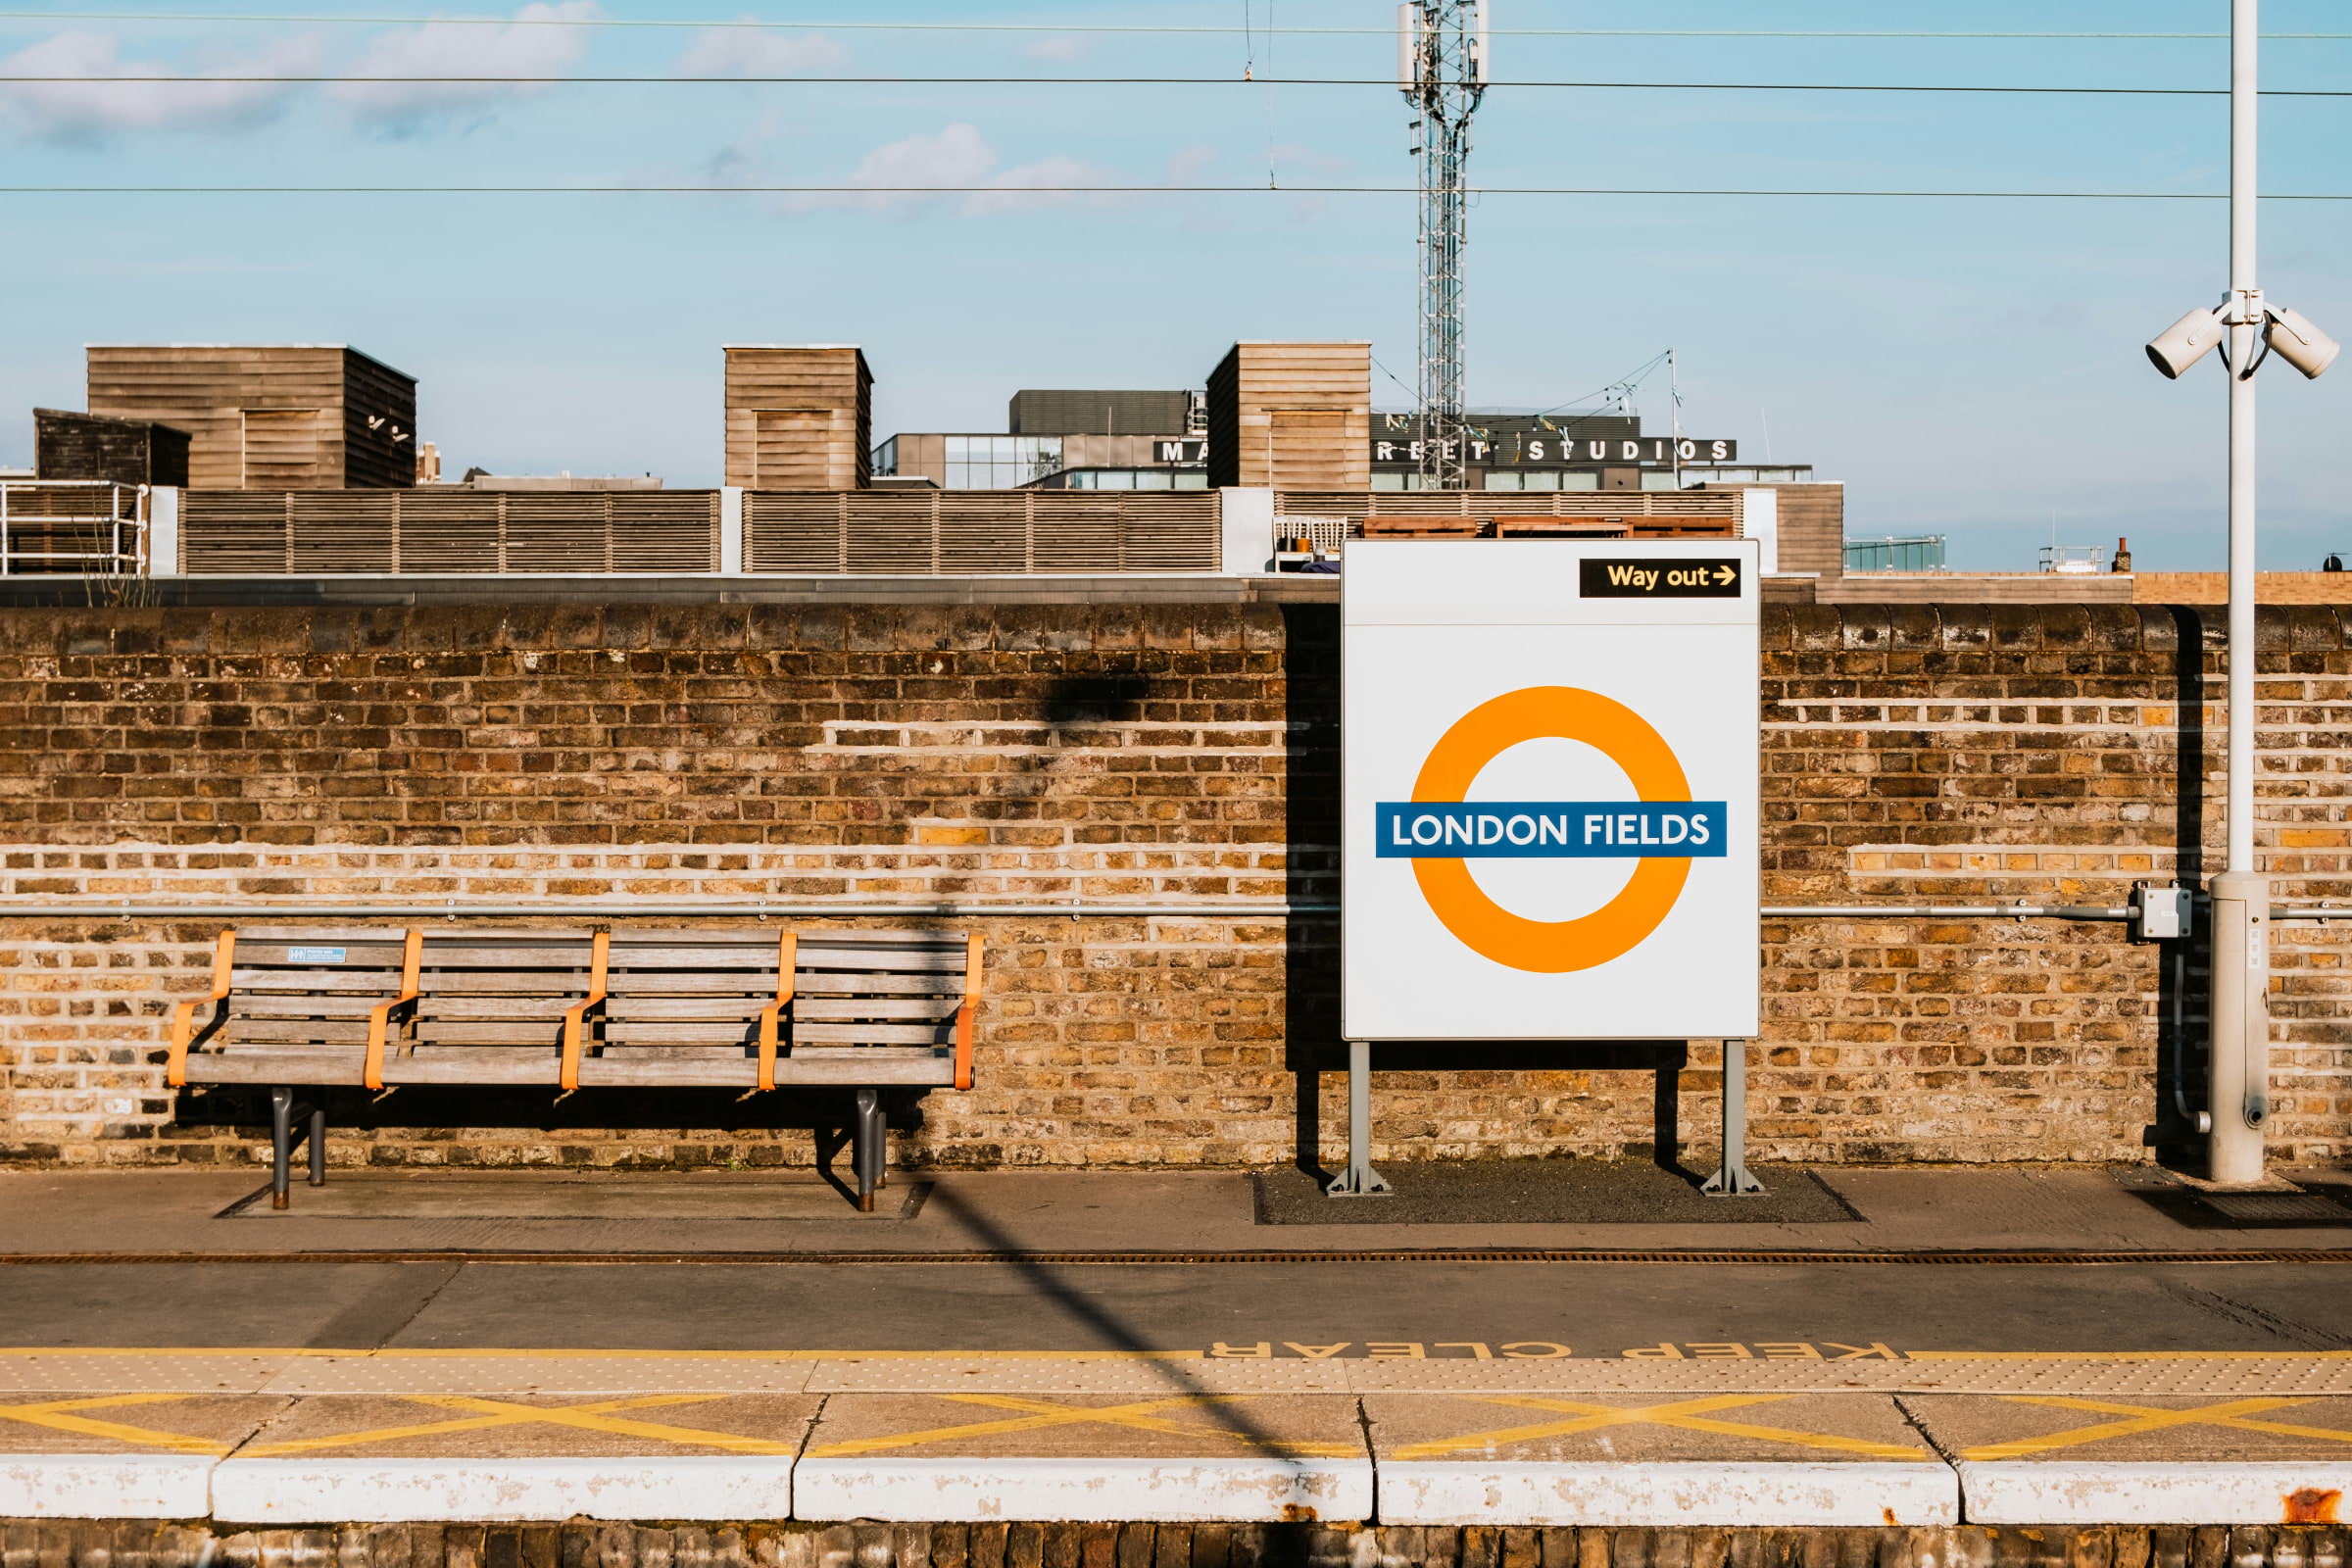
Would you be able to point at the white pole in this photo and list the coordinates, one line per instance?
(2239, 1068)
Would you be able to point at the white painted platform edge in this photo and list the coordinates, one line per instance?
(105, 1486)
(1453, 1492)
(2062, 1492)
(1086, 1489)
(449, 1491)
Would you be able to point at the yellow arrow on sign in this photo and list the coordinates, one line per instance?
(1724, 575)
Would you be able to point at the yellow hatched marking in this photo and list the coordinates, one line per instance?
(2142, 1418)
(600, 1416)
(57, 1414)
(1687, 1415)
(1139, 1416)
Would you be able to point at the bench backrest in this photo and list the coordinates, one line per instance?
(868, 991)
(297, 992)
(648, 1007)
(493, 1005)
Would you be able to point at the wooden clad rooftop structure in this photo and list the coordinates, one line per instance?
(286, 416)
(798, 418)
(1292, 416)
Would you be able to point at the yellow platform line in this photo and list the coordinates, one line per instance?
(57, 1415)
(600, 1416)
(2142, 1418)
(1687, 1414)
(1043, 1414)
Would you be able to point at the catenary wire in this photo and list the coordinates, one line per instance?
(748, 22)
(1142, 81)
(1136, 190)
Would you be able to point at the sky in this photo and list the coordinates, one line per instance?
(1970, 367)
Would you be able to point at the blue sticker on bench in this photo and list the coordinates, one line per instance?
(314, 954)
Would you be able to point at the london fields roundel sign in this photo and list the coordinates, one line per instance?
(1567, 713)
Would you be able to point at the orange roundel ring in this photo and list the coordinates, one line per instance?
(1564, 712)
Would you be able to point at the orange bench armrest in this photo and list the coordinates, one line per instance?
(379, 1017)
(964, 1014)
(772, 1017)
(183, 1016)
(575, 1016)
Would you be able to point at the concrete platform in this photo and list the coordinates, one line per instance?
(931, 1439)
(179, 1213)
(1777, 1459)
(1172, 1455)
(2063, 1459)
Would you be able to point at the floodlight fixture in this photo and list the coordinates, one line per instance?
(2300, 344)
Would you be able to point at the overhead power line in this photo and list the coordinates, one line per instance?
(1132, 191)
(1157, 82)
(1046, 26)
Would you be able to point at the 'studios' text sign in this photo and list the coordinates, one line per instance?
(1550, 776)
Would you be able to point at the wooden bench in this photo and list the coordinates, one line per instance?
(747, 1010)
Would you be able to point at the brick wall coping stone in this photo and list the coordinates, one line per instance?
(582, 588)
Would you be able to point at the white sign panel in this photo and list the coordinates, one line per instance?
(1550, 789)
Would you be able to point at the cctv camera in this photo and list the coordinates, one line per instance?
(2185, 342)
(2299, 343)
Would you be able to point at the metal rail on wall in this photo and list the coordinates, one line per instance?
(760, 909)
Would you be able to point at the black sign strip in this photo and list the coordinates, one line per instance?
(1657, 577)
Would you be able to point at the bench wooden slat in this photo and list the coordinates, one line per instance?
(280, 955)
(274, 1004)
(809, 982)
(598, 1072)
(481, 1032)
(466, 983)
(903, 961)
(554, 955)
(935, 1071)
(814, 1008)
(281, 1067)
(734, 1051)
(359, 980)
(330, 1031)
(709, 1032)
(910, 1034)
(510, 1007)
(732, 960)
(470, 1067)
(619, 1007)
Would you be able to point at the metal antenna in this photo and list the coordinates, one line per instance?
(1441, 71)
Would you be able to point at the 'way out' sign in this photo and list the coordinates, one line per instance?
(1549, 790)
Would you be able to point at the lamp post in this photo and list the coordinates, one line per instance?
(2238, 1063)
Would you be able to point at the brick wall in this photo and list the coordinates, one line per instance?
(1176, 753)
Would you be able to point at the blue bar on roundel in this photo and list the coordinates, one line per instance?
(1549, 831)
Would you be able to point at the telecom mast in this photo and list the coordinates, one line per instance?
(1442, 70)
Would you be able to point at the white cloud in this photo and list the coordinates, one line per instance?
(535, 44)
(894, 175)
(93, 110)
(758, 52)
(1054, 50)
(1031, 186)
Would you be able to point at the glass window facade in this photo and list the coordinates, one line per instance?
(1542, 479)
(1133, 479)
(999, 462)
(886, 460)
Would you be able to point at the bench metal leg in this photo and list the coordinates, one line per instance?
(281, 1147)
(283, 1112)
(872, 1130)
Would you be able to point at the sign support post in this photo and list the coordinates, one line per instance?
(1732, 1178)
(1359, 1179)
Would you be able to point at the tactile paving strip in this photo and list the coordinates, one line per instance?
(395, 1372)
